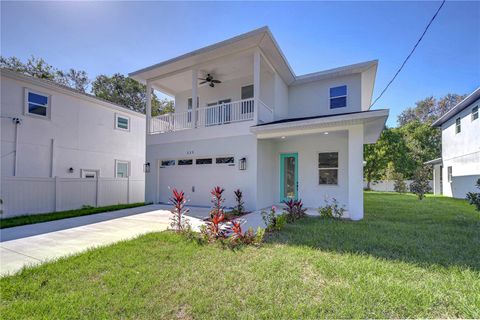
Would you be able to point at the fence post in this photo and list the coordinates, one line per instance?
(58, 200)
(128, 189)
(97, 191)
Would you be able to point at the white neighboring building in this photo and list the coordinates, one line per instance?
(259, 127)
(57, 142)
(456, 172)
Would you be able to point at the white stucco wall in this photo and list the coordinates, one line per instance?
(461, 152)
(83, 132)
(313, 98)
(198, 180)
(309, 190)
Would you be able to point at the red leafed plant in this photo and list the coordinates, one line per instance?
(213, 230)
(238, 237)
(294, 210)
(178, 200)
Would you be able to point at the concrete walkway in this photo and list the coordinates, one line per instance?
(37, 243)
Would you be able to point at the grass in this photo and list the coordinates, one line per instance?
(44, 217)
(406, 259)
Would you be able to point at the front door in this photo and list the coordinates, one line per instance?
(288, 176)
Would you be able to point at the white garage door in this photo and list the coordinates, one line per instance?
(196, 180)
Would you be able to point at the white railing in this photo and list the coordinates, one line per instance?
(236, 111)
(265, 113)
(172, 122)
(242, 110)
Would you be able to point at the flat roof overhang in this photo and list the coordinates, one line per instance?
(373, 122)
(434, 161)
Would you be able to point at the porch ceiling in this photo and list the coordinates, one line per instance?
(239, 66)
(373, 123)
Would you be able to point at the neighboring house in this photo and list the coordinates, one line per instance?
(57, 142)
(456, 172)
(243, 119)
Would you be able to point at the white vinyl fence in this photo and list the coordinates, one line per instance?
(39, 195)
(387, 185)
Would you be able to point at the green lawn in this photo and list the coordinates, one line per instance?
(44, 217)
(407, 258)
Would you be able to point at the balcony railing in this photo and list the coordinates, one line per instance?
(225, 113)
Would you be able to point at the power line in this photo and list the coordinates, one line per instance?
(410, 54)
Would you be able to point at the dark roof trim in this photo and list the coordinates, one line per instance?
(471, 98)
(316, 117)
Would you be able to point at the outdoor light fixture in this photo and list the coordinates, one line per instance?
(146, 167)
(283, 137)
(70, 170)
(325, 132)
(242, 164)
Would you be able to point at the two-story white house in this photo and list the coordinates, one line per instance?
(456, 172)
(243, 119)
(62, 149)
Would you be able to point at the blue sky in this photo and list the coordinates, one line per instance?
(109, 37)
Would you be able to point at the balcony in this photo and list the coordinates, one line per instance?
(209, 116)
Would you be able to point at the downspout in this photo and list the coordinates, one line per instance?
(16, 122)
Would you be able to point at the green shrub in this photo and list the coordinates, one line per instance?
(474, 197)
(332, 209)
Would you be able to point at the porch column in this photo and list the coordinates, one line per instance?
(355, 172)
(256, 84)
(148, 109)
(194, 97)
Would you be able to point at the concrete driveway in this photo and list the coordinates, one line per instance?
(41, 242)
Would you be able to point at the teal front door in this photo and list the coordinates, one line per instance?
(288, 176)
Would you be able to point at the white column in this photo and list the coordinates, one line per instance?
(355, 172)
(194, 97)
(148, 109)
(256, 84)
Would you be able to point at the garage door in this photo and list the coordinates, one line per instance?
(196, 178)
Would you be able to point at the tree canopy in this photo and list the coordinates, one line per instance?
(117, 88)
(406, 148)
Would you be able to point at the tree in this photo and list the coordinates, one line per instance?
(162, 107)
(421, 183)
(127, 92)
(429, 109)
(474, 197)
(39, 68)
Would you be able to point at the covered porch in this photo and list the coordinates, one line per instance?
(316, 159)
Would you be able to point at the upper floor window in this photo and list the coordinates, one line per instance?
(37, 104)
(122, 168)
(449, 174)
(122, 122)
(338, 97)
(475, 113)
(458, 126)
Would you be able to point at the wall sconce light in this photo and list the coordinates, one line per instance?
(70, 170)
(242, 164)
(146, 167)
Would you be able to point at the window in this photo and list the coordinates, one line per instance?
(37, 104)
(185, 162)
(458, 126)
(204, 161)
(328, 168)
(449, 174)
(247, 93)
(122, 169)
(167, 163)
(338, 97)
(474, 113)
(88, 174)
(225, 160)
(122, 122)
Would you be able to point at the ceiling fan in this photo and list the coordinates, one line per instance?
(210, 79)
